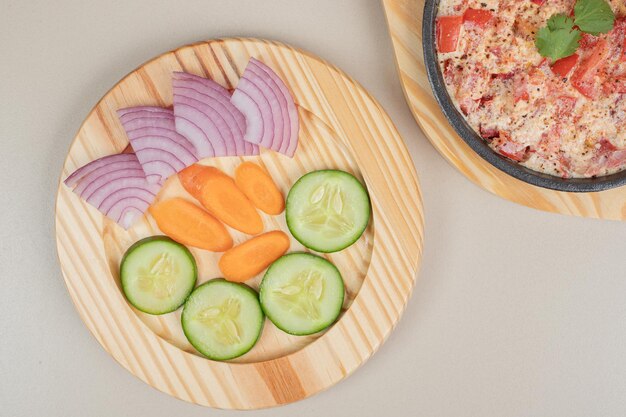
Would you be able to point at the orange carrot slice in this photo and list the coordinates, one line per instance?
(189, 178)
(190, 225)
(218, 193)
(250, 258)
(259, 187)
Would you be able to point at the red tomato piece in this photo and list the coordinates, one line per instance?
(588, 41)
(514, 151)
(538, 2)
(617, 159)
(485, 101)
(550, 142)
(488, 132)
(583, 78)
(471, 88)
(478, 17)
(503, 75)
(607, 156)
(618, 37)
(563, 66)
(565, 105)
(615, 85)
(448, 32)
(606, 147)
(520, 87)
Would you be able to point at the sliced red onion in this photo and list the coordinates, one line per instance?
(116, 185)
(271, 114)
(203, 81)
(290, 142)
(127, 117)
(125, 211)
(128, 111)
(101, 175)
(260, 95)
(278, 104)
(160, 149)
(114, 199)
(252, 112)
(210, 102)
(81, 172)
(209, 141)
(184, 149)
(205, 115)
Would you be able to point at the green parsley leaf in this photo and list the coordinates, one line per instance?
(594, 16)
(558, 39)
(560, 21)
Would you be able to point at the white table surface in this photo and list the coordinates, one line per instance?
(516, 312)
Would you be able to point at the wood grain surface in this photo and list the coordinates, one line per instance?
(404, 18)
(341, 127)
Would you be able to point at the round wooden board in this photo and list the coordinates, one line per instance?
(342, 127)
(404, 18)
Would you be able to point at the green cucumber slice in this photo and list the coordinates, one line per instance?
(222, 319)
(327, 210)
(302, 293)
(157, 274)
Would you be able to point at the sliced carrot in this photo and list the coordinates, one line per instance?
(191, 179)
(251, 257)
(190, 225)
(259, 187)
(218, 193)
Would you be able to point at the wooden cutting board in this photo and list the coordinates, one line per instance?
(404, 19)
(342, 127)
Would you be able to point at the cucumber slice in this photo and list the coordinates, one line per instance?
(302, 293)
(327, 210)
(157, 274)
(222, 319)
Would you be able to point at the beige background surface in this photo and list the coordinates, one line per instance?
(516, 312)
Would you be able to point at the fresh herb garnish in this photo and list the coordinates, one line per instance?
(560, 37)
(594, 16)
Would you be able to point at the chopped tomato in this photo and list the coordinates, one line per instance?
(618, 37)
(449, 72)
(565, 165)
(538, 2)
(520, 87)
(565, 105)
(606, 147)
(588, 41)
(485, 100)
(448, 32)
(503, 75)
(471, 88)
(539, 74)
(488, 132)
(563, 66)
(478, 17)
(514, 151)
(606, 156)
(615, 85)
(509, 148)
(583, 78)
(617, 159)
(468, 105)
